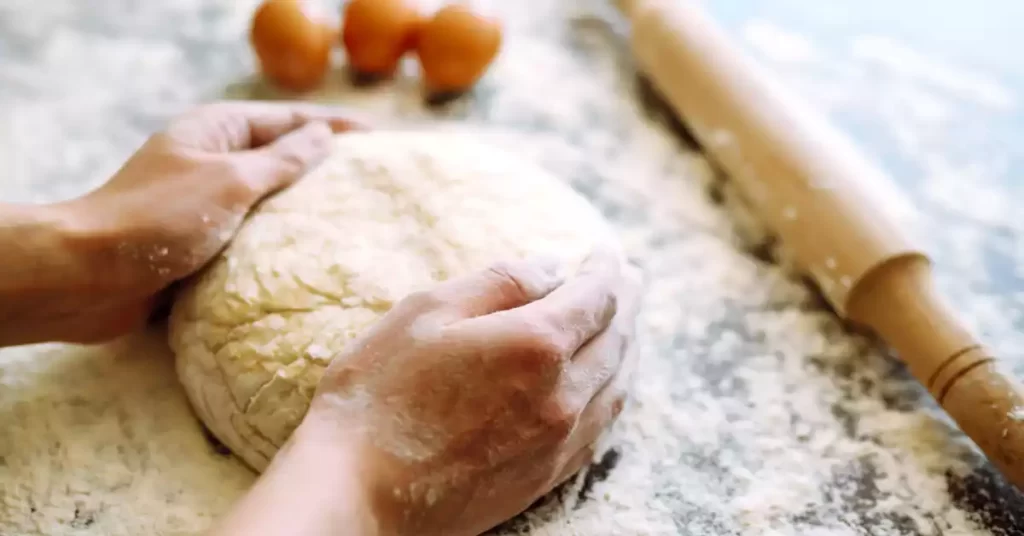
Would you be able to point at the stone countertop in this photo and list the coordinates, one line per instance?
(755, 410)
(935, 95)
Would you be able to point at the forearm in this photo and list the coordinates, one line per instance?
(38, 269)
(34, 241)
(310, 489)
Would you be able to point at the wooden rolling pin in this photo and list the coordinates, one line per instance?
(808, 184)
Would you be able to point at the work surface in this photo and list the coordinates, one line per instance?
(756, 411)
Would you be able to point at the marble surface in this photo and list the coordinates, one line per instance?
(933, 94)
(755, 412)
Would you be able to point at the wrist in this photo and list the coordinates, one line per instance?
(337, 474)
(371, 476)
(313, 485)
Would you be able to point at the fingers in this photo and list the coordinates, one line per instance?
(582, 458)
(240, 125)
(597, 382)
(608, 354)
(273, 144)
(286, 159)
(562, 321)
(604, 409)
(503, 286)
(269, 121)
(605, 406)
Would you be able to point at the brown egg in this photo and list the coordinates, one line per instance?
(377, 33)
(293, 48)
(455, 48)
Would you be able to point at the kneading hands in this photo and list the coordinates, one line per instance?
(93, 268)
(458, 409)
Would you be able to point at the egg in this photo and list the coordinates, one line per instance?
(293, 48)
(456, 47)
(377, 33)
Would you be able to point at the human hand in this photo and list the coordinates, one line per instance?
(172, 207)
(468, 402)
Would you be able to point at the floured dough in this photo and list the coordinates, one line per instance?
(388, 213)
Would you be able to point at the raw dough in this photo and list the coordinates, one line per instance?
(388, 213)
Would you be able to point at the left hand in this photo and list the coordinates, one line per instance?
(176, 203)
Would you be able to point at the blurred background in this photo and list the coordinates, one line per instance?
(760, 413)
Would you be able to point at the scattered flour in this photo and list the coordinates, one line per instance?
(778, 44)
(903, 61)
(755, 411)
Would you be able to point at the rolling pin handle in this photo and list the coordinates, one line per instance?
(898, 300)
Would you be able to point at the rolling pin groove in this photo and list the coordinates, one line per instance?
(941, 396)
(947, 362)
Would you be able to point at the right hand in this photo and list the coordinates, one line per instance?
(466, 403)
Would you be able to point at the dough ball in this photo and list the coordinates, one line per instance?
(387, 214)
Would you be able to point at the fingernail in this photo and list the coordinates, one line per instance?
(601, 257)
(635, 274)
(350, 125)
(318, 131)
(316, 136)
(548, 264)
(552, 269)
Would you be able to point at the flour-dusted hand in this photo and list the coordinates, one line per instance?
(472, 400)
(171, 207)
(460, 407)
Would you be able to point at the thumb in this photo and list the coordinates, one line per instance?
(289, 157)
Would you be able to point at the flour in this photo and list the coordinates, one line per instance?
(778, 44)
(903, 61)
(755, 411)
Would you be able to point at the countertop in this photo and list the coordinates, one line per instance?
(755, 411)
(932, 91)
